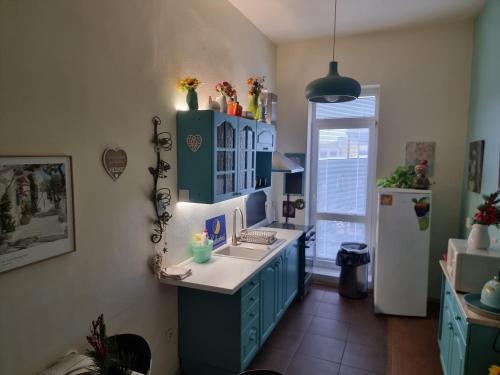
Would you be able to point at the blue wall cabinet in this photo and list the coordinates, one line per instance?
(216, 156)
(247, 153)
(220, 334)
(465, 348)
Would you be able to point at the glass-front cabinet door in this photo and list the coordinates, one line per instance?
(246, 155)
(225, 159)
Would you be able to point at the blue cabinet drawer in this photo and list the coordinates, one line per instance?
(250, 314)
(456, 311)
(250, 298)
(248, 287)
(249, 342)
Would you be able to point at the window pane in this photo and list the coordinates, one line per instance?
(343, 171)
(362, 107)
(330, 234)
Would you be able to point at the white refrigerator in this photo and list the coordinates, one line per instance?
(402, 251)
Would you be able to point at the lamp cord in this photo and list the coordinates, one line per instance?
(334, 26)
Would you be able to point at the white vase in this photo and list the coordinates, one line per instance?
(223, 103)
(479, 237)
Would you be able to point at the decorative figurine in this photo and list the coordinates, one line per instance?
(421, 180)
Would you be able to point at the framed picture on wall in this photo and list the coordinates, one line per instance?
(476, 153)
(36, 209)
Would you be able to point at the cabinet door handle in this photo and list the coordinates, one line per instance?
(458, 317)
(252, 299)
(448, 293)
(450, 326)
(252, 314)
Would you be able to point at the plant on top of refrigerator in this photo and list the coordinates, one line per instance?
(402, 178)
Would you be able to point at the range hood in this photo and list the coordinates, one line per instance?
(285, 165)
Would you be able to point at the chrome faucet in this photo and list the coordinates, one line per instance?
(234, 238)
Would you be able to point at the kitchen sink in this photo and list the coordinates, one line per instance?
(243, 252)
(247, 250)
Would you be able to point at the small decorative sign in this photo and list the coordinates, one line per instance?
(216, 228)
(386, 200)
(194, 142)
(114, 162)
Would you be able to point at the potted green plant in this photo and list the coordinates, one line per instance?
(402, 178)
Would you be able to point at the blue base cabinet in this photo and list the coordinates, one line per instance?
(220, 334)
(465, 348)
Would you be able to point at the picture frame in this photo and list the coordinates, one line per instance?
(475, 176)
(36, 209)
(415, 152)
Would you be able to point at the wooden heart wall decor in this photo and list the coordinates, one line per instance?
(114, 162)
(194, 142)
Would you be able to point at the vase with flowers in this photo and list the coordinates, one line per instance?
(487, 214)
(189, 85)
(255, 87)
(227, 93)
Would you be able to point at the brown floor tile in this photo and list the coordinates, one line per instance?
(334, 329)
(271, 359)
(344, 313)
(370, 331)
(284, 340)
(365, 357)
(305, 306)
(348, 370)
(302, 365)
(422, 351)
(322, 347)
(294, 322)
(316, 293)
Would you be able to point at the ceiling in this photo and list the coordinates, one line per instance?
(293, 20)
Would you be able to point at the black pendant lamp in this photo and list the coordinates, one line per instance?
(333, 88)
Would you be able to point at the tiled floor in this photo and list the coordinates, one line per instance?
(329, 335)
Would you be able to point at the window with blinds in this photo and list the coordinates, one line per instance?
(343, 171)
(362, 107)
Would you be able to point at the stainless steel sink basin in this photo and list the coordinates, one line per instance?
(243, 252)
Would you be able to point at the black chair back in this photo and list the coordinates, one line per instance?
(260, 372)
(134, 352)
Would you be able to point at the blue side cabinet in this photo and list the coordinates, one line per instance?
(216, 156)
(465, 348)
(220, 334)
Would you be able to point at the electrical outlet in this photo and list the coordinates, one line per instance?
(170, 333)
(468, 222)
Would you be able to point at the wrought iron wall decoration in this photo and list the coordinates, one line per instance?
(160, 197)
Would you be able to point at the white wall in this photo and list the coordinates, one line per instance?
(423, 75)
(79, 76)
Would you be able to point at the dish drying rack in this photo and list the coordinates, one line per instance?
(264, 237)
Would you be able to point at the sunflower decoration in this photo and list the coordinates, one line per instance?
(188, 84)
(494, 370)
(255, 85)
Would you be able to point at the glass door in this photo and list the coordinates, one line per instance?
(247, 156)
(225, 169)
(343, 176)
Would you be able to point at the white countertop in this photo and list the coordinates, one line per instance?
(223, 274)
(470, 315)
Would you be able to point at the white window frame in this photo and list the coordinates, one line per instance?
(314, 126)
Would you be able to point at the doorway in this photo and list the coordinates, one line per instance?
(343, 160)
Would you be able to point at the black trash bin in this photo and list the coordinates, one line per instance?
(353, 258)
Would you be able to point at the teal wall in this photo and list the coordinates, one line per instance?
(484, 115)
